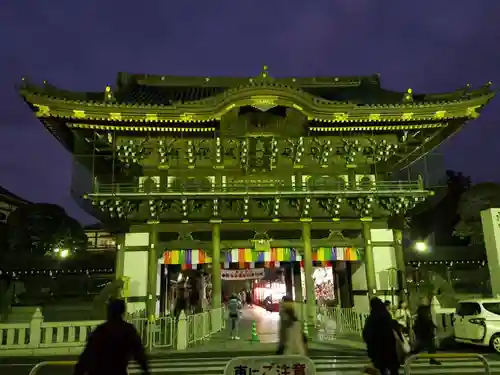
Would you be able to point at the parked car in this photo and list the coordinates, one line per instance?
(477, 322)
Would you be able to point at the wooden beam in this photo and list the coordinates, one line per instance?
(246, 244)
(349, 224)
(296, 244)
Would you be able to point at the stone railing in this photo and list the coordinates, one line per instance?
(40, 338)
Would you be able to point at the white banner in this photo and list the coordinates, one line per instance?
(246, 274)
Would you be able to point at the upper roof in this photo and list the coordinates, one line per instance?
(12, 199)
(196, 99)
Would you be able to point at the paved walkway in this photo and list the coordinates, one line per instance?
(267, 330)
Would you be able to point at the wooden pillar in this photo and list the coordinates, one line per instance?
(344, 280)
(371, 281)
(400, 264)
(152, 273)
(297, 282)
(120, 256)
(288, 273)
(216, 271)
(163, 289)
(308, 273)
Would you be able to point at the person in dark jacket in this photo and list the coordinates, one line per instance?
(424, 329)
(379, 335)
(180, 303)
(249, 298)
(112, 345)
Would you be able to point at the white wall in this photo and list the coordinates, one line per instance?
(490, 220)
(358, 280)
(384, 259)
(385, 265)
(135, 266)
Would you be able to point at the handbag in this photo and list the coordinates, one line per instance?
(402, 346)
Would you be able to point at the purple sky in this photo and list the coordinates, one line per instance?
(430, 46)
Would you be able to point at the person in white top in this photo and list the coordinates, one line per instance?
(403, 316)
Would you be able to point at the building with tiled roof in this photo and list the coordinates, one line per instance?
(269, 167)
(8, 203)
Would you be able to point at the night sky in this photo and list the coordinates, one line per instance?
(429, 46)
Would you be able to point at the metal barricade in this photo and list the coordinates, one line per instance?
(162, 332)
(157, 333)
(445, 356)
(199, 327)
(203, 325)
(143, 328)
(341, 320)
(38, 366)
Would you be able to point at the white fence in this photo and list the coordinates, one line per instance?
(346, 321)
(38, 337)
(341, 320)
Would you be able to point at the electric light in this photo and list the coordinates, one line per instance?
(420, 246)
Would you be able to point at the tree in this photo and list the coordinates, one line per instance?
(478, 198)
(439, 214)
(40, 229)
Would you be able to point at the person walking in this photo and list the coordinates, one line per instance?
(382, 336)
(424, 329)
(292, 340)
(402, 315)
(234, 308)
(112, 345)
(249, 298)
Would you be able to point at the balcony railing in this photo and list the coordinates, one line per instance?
(383, 187)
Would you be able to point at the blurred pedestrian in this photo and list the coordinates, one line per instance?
(292, 340)
(381, 337)
(424, 329)
(388, 306)
(249, 298)
(112, 345)
(234, 309)
(403, 316)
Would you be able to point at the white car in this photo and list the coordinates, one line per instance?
(477, 322)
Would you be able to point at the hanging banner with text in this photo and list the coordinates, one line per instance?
(246, 274)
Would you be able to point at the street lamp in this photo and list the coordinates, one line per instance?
(420, 246)
(61, 253)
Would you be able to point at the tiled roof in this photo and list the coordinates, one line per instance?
(10, 198)
(165, 95)
(156, 90)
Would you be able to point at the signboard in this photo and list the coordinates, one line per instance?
(490, 219)
(246, 274)
(271, 365)
(328, 329)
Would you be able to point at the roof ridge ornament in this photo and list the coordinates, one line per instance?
(408, 97)
(108, 94)
(263, 76)
(264, 72)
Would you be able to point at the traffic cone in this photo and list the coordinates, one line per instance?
(255, 336)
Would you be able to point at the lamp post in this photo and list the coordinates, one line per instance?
(421, 246)
(61, 253)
